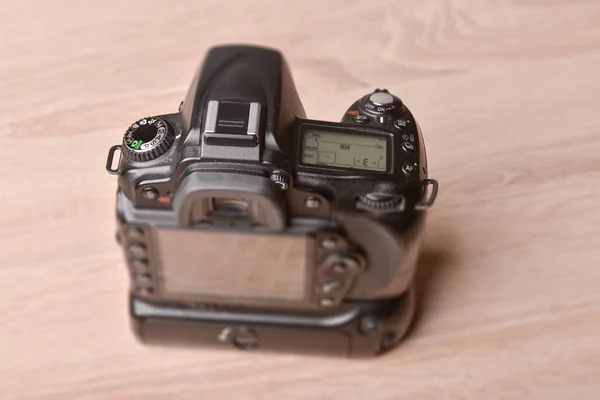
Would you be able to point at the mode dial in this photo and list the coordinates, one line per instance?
(147, 139)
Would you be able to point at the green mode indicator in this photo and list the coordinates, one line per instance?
(136, 144)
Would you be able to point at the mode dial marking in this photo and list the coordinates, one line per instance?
(148, 139)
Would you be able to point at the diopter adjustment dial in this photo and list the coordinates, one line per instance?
(147, 139)
(379, 203)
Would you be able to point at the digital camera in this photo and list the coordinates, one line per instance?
(245, 224)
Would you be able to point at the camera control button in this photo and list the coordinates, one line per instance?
(142, 280)
(381, 98)
(361, 119)
(150, 193)
(343, 265)
(145, 291)
(400, 124)
(327, 302)
(330, 242)
(245, 339)
(312, 202)
(331, 286)
(408, 146)
(340, 268)
(137, 250)
(134, 232)
(139, 265)
(380, 102)
(407, 137)
(409, 168)
(368, 325)
(381, 120)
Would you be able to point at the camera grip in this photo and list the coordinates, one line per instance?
(360, 329)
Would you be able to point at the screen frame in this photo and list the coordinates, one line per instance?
(348, 130)
(162, 264)
(156, 266)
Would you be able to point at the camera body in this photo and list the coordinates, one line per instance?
(244, 223)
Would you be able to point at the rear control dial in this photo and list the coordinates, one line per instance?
(147, 139)
(380, 203)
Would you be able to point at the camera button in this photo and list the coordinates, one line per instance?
(142, 280)
(340, 267)
(331, 286)
(145, 291)
(137, 250)
(368, 325)
(245, 339)
(327, 302)
(381, 98)
(406, 137)
(139, 265)
(400, 124)
(150, 193)
(134, 232)
(408, 168)
(361, 119)
(330, 243)
(312, 202)
(408, 146)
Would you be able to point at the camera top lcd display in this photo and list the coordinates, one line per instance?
(344, 150)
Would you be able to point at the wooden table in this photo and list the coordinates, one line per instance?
(507, 94)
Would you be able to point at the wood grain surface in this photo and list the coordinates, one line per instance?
(507, 94)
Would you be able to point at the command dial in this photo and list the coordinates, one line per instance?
(147, 139)
(381, 102)
(380, 203)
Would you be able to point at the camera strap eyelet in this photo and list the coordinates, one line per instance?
(109, 160)
(424, 205)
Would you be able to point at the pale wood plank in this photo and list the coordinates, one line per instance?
(507, 94)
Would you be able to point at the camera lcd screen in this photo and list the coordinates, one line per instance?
(232, 265)
(345, 150)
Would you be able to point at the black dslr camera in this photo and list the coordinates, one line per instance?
(245, 224)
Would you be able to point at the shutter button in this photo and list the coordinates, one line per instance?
(381, 98)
